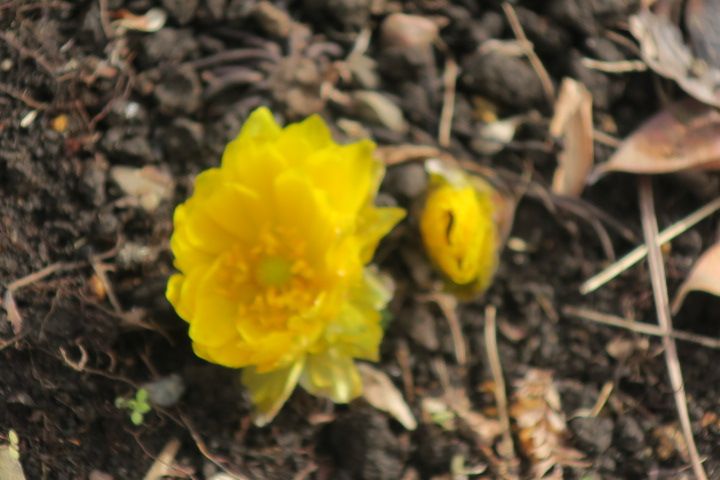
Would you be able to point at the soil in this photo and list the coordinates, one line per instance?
(79, 97)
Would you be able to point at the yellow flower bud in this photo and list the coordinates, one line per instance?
(459, 229)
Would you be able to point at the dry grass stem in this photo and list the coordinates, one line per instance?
(448, 107)
(448, 306)
(639, 327)
(537, 65)
(662, 306)
(622, 66)
(508, 448)
(637, 254)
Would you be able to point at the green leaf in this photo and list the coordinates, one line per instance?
(136, 418)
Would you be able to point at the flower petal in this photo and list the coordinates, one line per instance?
(260, 126)
(373, 224)
(331, 375)
(269, 391)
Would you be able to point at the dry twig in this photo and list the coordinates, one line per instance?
(623, 66)
(448, 107)
(637, 254)
(640, 327)
(537, 65)
(448, 306)
(662, 307)
(507, 450)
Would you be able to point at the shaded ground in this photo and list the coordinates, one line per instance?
(79, 98)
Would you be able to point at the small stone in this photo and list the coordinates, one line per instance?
(92, 182)
(147, 185)
(630, 435)
(408, 180)
(595, 433)
(99, 475)
(422, 328)
(505, 79)
(134, 254)
(126, 144)
(347, 15)
(272, 19)
(178, 91)
(400, 30)
(365, 447)
(169, 45)
(166, 391)
(216, 8)
(182, 11)
(181, 140)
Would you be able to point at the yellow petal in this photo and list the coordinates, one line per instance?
(312, 130)
(331, 375)
(237, 210)
(347, 174)
(260, 126)
(373, 224)
(269, 391)
(215, 314)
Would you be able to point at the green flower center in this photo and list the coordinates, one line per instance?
(273, 271)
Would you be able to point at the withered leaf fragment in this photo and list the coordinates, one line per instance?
(683, 136)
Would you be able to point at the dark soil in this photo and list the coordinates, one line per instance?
(172, 99)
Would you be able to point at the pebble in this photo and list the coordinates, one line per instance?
(365, 447)
(169, 45)
(506, 79)
(181, 140)
(166, 391)
(593, 433)
(182, 11)
(178, 91)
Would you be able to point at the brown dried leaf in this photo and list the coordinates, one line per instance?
(663, 49)
(704, 276)
(683, 136)
(381, 393)
(573, 123)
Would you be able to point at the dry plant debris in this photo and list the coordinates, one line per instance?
(573, 124)
(705, 276)
(541, 426)
(663, 49)
(380, 392)
(683, 136)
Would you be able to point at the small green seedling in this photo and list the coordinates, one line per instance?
(138, 406)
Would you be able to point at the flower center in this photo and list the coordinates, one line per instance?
(273, 271)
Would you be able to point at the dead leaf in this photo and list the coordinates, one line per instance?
(704, 276)
(663, 49)
(381, 393)
(683, 136)
(572, 122)
(163, 464)
(701, 18)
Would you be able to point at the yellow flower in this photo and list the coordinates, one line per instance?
(459, 229)
(272, 249)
